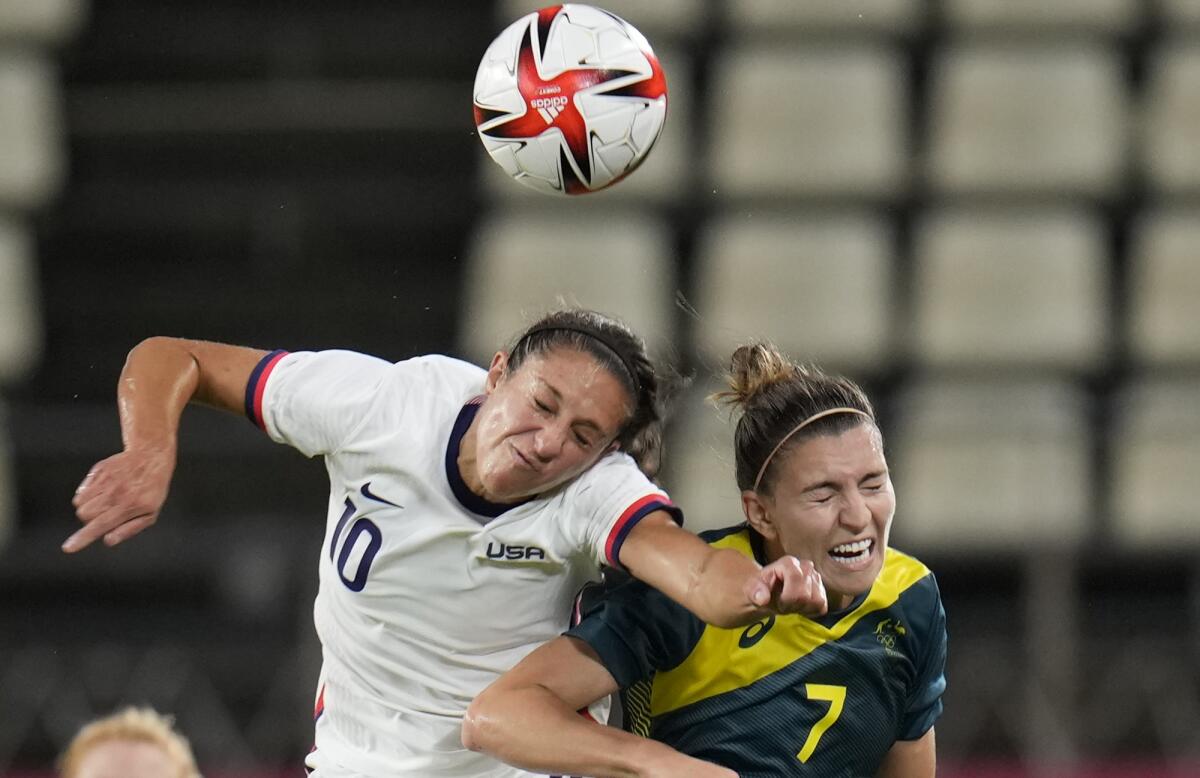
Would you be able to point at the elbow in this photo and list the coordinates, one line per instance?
(476, 726)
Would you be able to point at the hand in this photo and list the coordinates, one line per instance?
(121, 496)
(789, 585)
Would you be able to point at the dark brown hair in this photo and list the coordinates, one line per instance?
(775, 395)
(623, 354)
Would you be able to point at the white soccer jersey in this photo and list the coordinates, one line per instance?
(427, 592)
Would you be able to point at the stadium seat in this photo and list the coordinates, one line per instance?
(760, 18)
(1036, 119)
(699, 462)
(1180, 14)
(1171, 128)
(665, 173)
(815, 120)
(1014, 288)
(819, 286)
(1155, 453)
(31, 137)
(1164, 289)
(660, 20)
(522, 264)
(8, 482)
(991, 466)
(1038, 16)
(20, 314)
(40, 21)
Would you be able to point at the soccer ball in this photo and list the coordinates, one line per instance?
(569, 99)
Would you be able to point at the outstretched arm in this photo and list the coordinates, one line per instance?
(528, 718)
(722, 586)
(123, 494)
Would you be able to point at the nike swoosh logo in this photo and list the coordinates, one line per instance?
(366, 492)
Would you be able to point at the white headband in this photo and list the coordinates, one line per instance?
(796, 429)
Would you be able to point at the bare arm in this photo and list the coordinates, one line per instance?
(911, 758)
(528, 718)
(721, 586)
(123, 494)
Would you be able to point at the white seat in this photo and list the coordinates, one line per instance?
(524, 264)
(663, 174)
(1038, 16)
(813, 120)
(823, 17)
(819, 286)
(699, 461)
(41, 21)
(1171, 127)
(21, 334)
(1164, 289)
(1155, 449)
(1180, 14)
(31, 134)
(658, 21)
(1022, 288)
(1001, 465)
(1027, 119)
(8, 482)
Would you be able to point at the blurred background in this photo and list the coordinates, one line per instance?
(987, 211)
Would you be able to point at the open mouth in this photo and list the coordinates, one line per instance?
(853, 554)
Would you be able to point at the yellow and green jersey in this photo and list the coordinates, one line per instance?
(788, 695)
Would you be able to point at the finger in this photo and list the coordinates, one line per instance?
(95, 504)
(763, 587)
(795, 586)
(97, 527)
(821, 598)
(87, 487)
(128, 530)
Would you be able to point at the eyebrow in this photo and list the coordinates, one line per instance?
(558, 397)
(827, 484)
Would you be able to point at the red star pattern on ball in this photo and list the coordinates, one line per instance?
(565, 85)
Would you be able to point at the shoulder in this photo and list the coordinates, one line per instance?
(902, 572)
(736, 537)
(439, 371)
(612, 471)
(915, 589)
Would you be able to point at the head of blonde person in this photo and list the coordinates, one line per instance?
(131, 743)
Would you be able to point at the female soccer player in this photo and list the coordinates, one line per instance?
(851, 693)
(467, 508)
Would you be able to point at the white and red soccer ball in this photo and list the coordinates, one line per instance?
(569, 99)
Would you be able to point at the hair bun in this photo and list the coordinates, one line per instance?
(752, 369)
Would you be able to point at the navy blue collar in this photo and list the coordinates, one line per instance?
(467, 498)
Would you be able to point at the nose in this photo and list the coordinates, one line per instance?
(549, 442)
(855, 514)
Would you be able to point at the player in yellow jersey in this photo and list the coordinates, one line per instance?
(855, 692)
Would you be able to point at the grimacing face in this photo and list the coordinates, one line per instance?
(542, 424)
(832, 502)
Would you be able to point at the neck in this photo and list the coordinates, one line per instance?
(467, 461)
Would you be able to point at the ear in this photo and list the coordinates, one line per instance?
(496, 371)
(758, 513)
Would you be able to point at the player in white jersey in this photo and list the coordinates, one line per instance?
(466, 509)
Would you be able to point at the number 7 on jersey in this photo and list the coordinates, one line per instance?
(836, 697)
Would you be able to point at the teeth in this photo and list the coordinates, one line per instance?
(856, 547)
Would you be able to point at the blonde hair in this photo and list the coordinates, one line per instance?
(143, 725)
